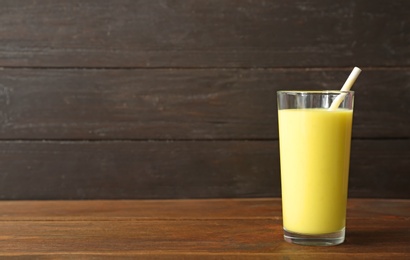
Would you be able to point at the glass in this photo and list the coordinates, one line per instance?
(314, 146)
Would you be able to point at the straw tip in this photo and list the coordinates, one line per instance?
(357, 69)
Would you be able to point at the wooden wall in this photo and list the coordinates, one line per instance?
(176, 99)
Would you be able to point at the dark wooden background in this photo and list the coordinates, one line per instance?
(177, 99)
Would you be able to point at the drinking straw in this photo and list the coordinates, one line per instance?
(346, 87)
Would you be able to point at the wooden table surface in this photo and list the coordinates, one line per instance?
(191, 229)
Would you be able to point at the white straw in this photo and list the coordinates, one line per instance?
(346, 87)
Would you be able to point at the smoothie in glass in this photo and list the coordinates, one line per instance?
(314, 141)
(315, 152)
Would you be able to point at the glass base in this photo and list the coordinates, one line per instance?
(330, 239)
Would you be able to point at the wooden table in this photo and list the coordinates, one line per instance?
(191, 229)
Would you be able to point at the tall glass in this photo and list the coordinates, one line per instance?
(314, 160)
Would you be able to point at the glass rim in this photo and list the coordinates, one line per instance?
(314, 92)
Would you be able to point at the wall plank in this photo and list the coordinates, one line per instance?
(185, 103)
(228, 33)
(183, 169)
(78, 170)
(380, 168)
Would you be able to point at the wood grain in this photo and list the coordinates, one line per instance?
(104, 210)
(193, 209)
(226, 33)
(185, 104)
(180, 169)
(181, 231)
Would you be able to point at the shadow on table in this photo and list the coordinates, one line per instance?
(377, 237)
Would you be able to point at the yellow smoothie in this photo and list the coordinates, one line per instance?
(314, 160)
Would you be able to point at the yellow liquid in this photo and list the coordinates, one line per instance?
(314, 158)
